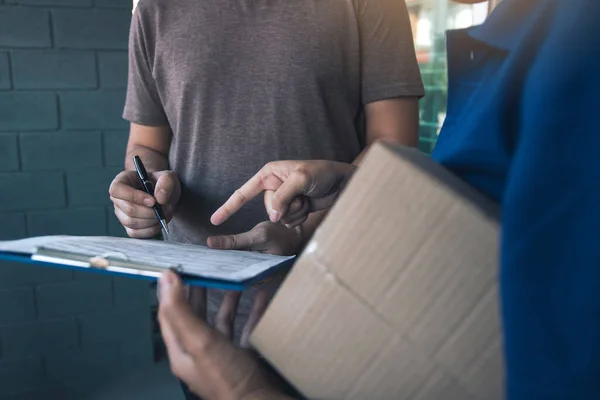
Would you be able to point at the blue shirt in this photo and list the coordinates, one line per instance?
(523, 126)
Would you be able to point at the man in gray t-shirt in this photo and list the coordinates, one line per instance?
(218, 88)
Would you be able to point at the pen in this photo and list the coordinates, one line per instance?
(149, 188)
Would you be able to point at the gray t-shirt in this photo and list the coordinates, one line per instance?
(245, 82)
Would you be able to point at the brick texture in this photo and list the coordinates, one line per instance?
(103, 29)
(41, 337)
(17, 109)
(24, 27)
(72, 221)
(93, 110)
(113, 67)
(63, 74)
(18, 374)
(4, 71)
(17, 305)
(62, 69)
(17, 274)
(13, 226)
(76, 366)
(68, 150)
(90, 187)
(74, 297)
(9, 155)
(132, 293)
(22, 191)
(114, 226)
(113, 327)
(113, 3)
(74, 3)
(115, 143)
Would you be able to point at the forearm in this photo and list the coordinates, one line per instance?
(153, 160)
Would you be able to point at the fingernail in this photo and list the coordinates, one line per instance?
(148, 202)
(162, 192)
(274, 216)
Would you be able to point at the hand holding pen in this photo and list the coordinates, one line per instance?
(149, 188)
(135, 201)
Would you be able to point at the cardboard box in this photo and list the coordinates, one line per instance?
(396, 295)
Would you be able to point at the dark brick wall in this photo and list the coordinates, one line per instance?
(63, 67)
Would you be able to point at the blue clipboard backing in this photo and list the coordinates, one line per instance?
(187, 279)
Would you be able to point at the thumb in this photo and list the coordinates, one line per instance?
(167, 188)
(171, 290)
(181, 329)
(241, 241)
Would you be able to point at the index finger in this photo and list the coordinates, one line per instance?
(249, 190)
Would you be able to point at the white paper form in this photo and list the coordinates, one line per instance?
(189, 259)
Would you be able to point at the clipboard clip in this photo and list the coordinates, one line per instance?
(111, 261)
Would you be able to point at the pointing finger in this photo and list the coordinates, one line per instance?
(247, 192)
(265, 179)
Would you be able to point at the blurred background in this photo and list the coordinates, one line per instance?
(430, 19)
(63, 73)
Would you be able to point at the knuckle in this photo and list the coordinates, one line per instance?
(261, 235)
(128, 222)
(120, 178)
(296, 205)
(171, 176)
(128, 208)
(231, 241)
(200, 347)
(301, 177)
(138, 198)
(268, 168)
(240, 195)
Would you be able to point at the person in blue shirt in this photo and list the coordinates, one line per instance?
(522, 127)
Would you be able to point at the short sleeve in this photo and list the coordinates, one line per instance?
(142, 104)
(388, 59)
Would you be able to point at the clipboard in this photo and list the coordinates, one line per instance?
(114, 263)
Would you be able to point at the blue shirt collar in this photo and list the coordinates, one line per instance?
(510, 23)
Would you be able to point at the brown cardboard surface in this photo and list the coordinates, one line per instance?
(395, 297)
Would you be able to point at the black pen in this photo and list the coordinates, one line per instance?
(149, 188)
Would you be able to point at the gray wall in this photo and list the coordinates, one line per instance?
(63, 66)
